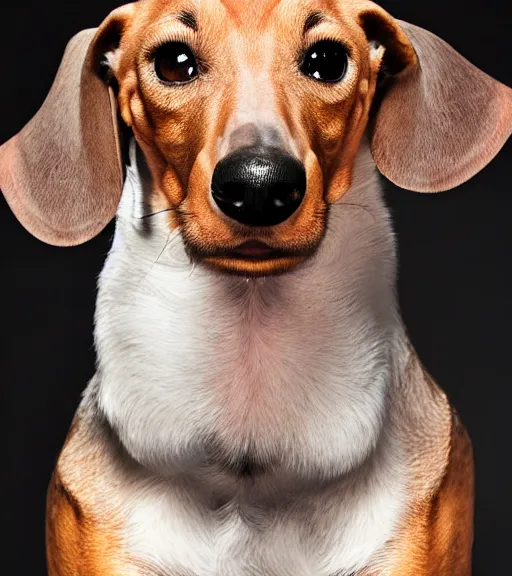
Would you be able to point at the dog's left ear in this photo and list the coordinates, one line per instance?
(441, 119)
(62, 174)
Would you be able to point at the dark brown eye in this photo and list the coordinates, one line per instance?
(325, 61)
(175, 63)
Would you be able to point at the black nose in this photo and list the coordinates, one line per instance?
(259, 186)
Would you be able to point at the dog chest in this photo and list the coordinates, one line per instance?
(329, 535)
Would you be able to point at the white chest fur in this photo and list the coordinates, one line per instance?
(199, 372)
(333, 531)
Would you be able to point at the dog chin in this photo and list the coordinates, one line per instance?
(254, 268)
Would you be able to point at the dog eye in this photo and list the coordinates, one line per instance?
(325, 61)
(175, 63)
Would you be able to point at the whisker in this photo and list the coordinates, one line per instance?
(193, 267)
(154, 213)
(167, 242)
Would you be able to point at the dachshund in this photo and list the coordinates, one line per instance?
(257, 406)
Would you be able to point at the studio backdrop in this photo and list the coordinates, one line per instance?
(455, 284)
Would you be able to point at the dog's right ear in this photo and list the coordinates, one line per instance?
(62, 174)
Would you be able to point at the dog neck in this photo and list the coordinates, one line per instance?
(220, 376)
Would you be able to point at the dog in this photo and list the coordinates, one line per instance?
(257, 406)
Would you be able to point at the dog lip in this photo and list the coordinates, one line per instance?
(253, 248)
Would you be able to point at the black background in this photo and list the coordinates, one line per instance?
(454, 284)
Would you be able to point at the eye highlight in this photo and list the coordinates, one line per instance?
(175, 63)
(326, 61)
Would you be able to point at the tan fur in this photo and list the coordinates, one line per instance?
(83, 522)
(61, 174)
(73, 129)
(435, 537)
(62, 178)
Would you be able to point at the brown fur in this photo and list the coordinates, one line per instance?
(435, 537)
(253, 48)
(62, 178)
(83, 520)
(77, 541)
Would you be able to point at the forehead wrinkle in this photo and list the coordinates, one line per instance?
(253, 12)
(160, 12)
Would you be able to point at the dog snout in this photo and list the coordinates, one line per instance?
(259, 186)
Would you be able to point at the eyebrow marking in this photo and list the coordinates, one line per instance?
(313, 20)
(188, 19)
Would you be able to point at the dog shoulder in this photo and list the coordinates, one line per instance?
(451, 509)
(83, 527)
(437, 534)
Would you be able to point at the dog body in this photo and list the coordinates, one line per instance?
(257, 406)
(234, 479)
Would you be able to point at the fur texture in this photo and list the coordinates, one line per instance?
(280, 423)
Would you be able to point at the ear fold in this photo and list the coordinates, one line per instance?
(441, 119)
(62, 174)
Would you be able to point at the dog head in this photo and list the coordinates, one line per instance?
(250, 115)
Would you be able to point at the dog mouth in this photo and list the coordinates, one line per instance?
(254, 251)
(251, 258)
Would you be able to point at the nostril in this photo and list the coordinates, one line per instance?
(230, 192)
(285, 194)
(259, 186)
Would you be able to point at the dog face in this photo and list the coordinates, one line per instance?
(250, 115)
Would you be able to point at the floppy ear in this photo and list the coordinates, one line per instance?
(440, 119)
(62, 174)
